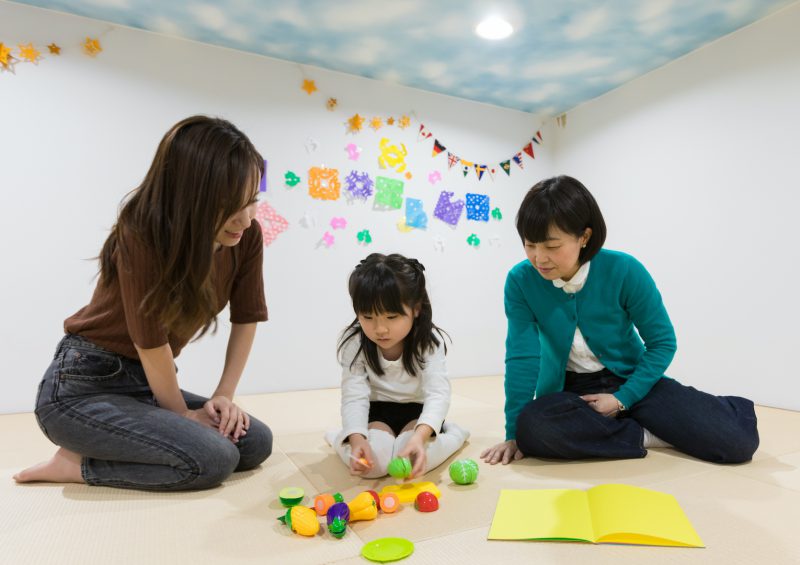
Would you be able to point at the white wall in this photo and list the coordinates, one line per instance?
(78, 133)
(695, 168)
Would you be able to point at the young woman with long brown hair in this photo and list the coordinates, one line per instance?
(184, 246)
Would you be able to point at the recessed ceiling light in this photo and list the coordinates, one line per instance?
(494, 27)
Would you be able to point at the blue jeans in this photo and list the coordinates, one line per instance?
(98, 404)
(720, 429)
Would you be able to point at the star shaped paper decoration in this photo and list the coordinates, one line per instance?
(376, 123)
(29, 53)
(390, 121)
(331, 104)
(92, 46)
(404, 122)
(309, 86)
(7, 61)
(355, 123)
(54, 49)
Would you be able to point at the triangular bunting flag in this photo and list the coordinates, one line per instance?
(452, 160)
(539, 135)
(479, 170)
(423, 133)
(466, 170)
(491, 172)
(537, 139)
(518, 159)
(437, 147)
(529, 150)
(506, 166)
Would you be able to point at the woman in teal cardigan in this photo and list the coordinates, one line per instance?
(588, 342)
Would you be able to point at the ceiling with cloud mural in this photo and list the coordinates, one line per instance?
(561, 53)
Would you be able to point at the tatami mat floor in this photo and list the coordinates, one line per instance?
(745, 513)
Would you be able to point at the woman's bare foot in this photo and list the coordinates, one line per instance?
(63, 467)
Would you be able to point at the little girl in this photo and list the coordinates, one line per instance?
(395, 391)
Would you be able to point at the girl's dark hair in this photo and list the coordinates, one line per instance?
(564, 202)
(385, 284)
(204, 171)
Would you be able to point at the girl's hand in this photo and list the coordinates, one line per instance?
(505, 452)
(605, 404)
(360, 452)
(201, 417)
(415, 450)
(232, 422)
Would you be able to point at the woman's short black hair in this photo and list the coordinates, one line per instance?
(565, 203)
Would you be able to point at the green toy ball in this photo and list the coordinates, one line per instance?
(464, 471)
(291, 496)
(400, 467)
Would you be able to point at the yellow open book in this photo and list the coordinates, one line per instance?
(603, 514)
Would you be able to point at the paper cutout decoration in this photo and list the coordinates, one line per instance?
(323, 183)
(404, 122)
(358, 185)
(392, 156)
(390, 121)
(496, 214)
(7, 60)
(56, 50)
(494, 241)
(537, 139)
(29, 53)
(388, 193)
(438, 243)
(308, 221)
(415, 215)
(355, 123)
(364, 237)
(518, 160)
(408, 175)
(331, 104)
(529, 150)
(272, 223)
(327, 240)
(437, 147)
(309, 86)
(452, 160)
(311, 145)
(506, 166)
(291, 178)
(424, 133)
(376, 123)
(434, 177)
(479, 170)
(402, 226)
(353, 151)
(447, 211)
(473, 240)
(262, 186)
(338, 223)
(91, 47)
(478, 207)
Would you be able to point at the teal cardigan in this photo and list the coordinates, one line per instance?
(618, 296)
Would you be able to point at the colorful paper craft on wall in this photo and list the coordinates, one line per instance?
(358, 185)
(364, 237)
(308, 221)
(402, 226)
(497, 214)
(272, 223)
(447, 211)
(323, 183)
(327, 240)
(262, 186)
(434, 177)
(353, 151)
(478, 207)
(388, 193)
(291, 179)
(415, 215)
(338, 223)
(392, 156)
(473, 240)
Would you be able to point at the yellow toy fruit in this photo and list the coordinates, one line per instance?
(301, 520)
(363, 507)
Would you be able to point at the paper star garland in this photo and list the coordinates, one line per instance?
(376, 123)
(309, 86)
(29, 53)
(404, 122)
(6, 59)
(355, 123)
(390, 121)
(54, 49)
(331, 104)
(92, 46)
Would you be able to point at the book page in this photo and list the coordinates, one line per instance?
(628, 514)
(555, 514)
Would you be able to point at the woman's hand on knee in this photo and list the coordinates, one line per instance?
(505, 452)
(604, 404)
(231, 421)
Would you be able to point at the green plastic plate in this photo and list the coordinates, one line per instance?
(387, 549)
